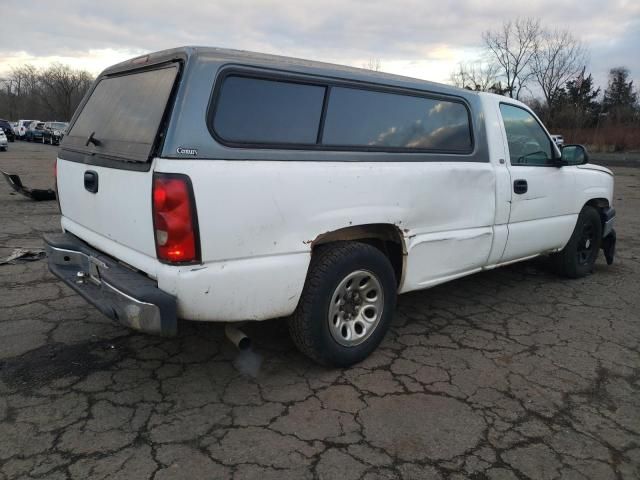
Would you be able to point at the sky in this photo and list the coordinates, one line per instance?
(417, 38)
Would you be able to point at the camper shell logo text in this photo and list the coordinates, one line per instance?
(187, 151)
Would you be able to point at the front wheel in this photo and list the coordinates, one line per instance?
(578, 257)
(346, 305)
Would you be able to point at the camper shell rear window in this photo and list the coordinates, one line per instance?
(122, 116)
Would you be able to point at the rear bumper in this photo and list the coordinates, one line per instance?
(121, 294)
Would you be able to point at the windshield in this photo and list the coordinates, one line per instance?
(123, 114)
(58, 125)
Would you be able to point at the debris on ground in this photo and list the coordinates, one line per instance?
(36, 194)
(23, 255)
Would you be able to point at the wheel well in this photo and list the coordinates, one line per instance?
(600, 204)
(385, 237)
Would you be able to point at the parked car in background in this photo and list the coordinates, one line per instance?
(309, 191)
(35, 132)
(558, 139)
(53, 132)
(6, 127)
(4, 144)
(23, 126)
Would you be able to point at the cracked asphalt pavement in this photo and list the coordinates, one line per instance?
(508, 374)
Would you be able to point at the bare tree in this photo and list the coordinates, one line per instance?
(559, 57)
(62, 88)
(479, 76)
(49, 94)
(513, 47)
(21, 88)
(373, 64)
(24, 80)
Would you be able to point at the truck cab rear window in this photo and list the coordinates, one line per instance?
(260, 111)
(123, 114)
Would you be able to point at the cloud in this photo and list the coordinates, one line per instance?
(621, 50)
(412, 37)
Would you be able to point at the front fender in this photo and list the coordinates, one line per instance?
(593, 183)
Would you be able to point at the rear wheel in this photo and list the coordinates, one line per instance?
(579, 255)
(347, 304)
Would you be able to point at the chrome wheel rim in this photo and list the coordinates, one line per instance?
(356, 308)
(587, 244)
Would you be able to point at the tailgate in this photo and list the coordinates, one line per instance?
(104, 173)
(120, 210)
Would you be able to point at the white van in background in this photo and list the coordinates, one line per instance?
(23, 126)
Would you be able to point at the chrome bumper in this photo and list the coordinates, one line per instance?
(124, 295)
(608, 244)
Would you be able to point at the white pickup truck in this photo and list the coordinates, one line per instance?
(217, 185)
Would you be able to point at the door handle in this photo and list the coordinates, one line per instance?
(91, 181)
(520, 187)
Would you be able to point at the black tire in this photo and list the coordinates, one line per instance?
(330, 265)
(579, 256)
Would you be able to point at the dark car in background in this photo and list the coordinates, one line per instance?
(8, 130)
(53, 132)
(35, 132)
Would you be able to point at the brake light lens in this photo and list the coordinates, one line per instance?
(175, 219)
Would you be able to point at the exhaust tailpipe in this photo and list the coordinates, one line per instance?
(237, 337)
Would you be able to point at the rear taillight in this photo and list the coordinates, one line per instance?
(175, 219)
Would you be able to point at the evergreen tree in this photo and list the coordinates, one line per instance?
(576, 105)
(620, 98)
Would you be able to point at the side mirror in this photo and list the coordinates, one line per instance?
(574, 155)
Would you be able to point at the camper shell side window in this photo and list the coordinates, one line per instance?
(253, 110)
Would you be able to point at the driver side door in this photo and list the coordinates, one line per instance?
(541, 217)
